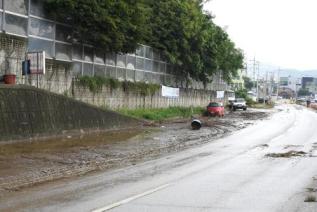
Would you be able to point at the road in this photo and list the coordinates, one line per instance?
(246, 171)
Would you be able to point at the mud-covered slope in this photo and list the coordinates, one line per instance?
(26, 112)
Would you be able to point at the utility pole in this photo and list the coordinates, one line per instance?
(266, 84)
(253, 67)
(257, 79)
(256, 68)
(278, 81)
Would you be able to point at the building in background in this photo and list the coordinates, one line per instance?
(290, 82)
(238, 81)
(306, 81)
(311, 85)
(289, 86)
(283, 81)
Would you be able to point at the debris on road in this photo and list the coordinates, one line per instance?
(288, 154)
(196, 124)
(310, 198)
(27, 164)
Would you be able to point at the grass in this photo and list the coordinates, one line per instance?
(310, 198)
(156, 114)
(262, 106)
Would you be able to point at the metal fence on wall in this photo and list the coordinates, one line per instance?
(26, 19)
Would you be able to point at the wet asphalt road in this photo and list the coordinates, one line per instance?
(245, 171)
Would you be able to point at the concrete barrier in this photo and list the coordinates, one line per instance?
(27, 112)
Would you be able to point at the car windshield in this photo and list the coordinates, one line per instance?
(214, 104)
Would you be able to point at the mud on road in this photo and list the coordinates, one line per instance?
(26, 164)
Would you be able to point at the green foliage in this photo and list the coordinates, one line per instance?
(262, 106)
(163, 113)
(243, 93)
(141, 87)
(116, 26)
(190, 41)
(249, 101)
(303, 92)
(96, 83)
(248, 83)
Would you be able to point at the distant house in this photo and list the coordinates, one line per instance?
(238, 82)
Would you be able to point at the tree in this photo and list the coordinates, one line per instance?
(114, 25)
(190, 40)
(248, 83)
(186, 35)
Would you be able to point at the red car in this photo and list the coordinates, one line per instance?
(216, 109)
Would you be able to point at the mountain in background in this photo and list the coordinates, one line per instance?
(297, 73)
(269, 70)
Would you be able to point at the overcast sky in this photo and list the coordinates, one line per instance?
(277, 32)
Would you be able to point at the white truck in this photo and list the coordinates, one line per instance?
(239, 103)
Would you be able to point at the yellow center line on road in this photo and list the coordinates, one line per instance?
(124, 201)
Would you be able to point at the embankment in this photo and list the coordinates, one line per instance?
(27, 112)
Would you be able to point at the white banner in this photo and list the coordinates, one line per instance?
(220, 94)
(170, 92)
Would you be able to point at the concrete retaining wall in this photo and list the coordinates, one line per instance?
(117, 99)
(27, 112)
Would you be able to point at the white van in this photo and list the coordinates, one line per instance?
(252, 96)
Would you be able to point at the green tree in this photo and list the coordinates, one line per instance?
(242, 93)
(186, 35)
(248, 83)
(191, 41)
(114, 25)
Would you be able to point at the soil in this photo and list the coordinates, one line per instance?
(288, 154)
(29, 163)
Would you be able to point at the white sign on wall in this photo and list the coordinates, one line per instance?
(220, 94)
(170, 92)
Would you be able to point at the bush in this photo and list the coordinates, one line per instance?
(243, 93)
(96, 83)
(156, 114)
(249, 101)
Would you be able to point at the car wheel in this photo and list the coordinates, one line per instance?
(244, 109)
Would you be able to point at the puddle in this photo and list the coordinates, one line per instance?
(57, 145)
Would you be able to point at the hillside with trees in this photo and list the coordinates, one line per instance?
(185, 34)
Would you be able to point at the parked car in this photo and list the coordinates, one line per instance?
(301, 100)
(263, 100)
(215, 109)
(239, 103)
